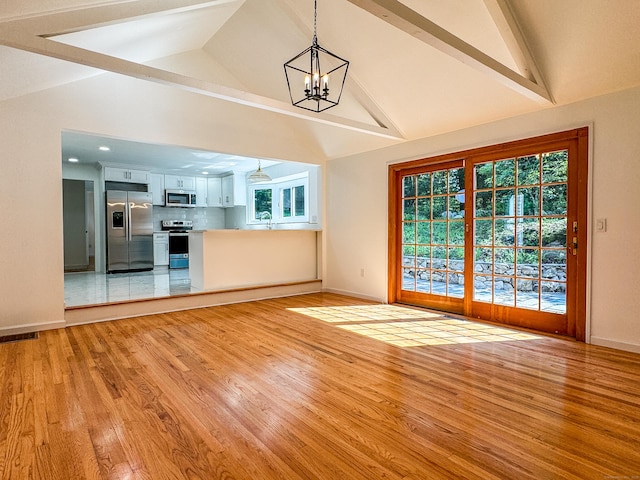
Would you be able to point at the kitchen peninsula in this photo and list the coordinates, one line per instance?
(224, 259)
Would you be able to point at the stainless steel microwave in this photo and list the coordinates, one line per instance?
(179, 198)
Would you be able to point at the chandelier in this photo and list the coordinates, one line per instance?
(308, 75)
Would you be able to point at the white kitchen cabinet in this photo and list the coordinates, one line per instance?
(201, 192)
(214, 192)
(234, 190)
(157, 188)
(161, 249)
(115, 174)
(175, 182)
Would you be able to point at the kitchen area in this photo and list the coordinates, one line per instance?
(144, 216)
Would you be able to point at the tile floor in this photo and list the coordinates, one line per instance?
(91, 288)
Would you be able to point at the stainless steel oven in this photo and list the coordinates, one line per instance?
(178, 242)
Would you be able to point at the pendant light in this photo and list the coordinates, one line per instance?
(259, 175)
(308, 75)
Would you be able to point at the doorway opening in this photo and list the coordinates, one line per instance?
(78, 225)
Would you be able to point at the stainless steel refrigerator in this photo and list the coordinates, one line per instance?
(129, 231)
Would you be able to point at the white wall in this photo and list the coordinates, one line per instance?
(31, 260)
(356, 220)
(355, 213)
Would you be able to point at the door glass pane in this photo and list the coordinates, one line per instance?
(424, 184)
(409, 186)
(439, 233)
(505, 173)
(409, 209)
(483, 230)
(520, 233)
(439, 182)
(529, 170)
(504, 232)
(433, 232)
(554, 232)
(424, 233)
(456, 180)
(554, 166)
(554, 199)
(456, 233)
(483, 174)
(484, 204)
(424, 208)
(505, 203)
(439, 206)
(528, 201)
(528, 232)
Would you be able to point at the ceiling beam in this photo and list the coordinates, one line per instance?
(514, 39)
(411, 22)
(13, 36)
(33, 34)
(69, 21)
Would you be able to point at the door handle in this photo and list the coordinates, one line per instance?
(129, 222)
(574, 246)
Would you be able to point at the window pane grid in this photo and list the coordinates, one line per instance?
(520, 228)
(433, 233)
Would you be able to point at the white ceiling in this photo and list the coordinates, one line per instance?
(400, 87)
(156, 158)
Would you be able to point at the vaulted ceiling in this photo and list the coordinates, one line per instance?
(418, 67)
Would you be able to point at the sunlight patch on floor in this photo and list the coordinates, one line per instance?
(405, 327)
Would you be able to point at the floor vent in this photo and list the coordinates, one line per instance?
(19, 337)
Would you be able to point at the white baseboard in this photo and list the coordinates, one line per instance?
(32, 327)
(605, 342)
(354, 294)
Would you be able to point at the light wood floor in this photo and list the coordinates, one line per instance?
(257, 391)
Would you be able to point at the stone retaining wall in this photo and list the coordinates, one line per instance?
(528, 281)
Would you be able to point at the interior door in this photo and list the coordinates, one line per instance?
(522, 220)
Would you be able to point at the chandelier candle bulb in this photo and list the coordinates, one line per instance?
(325, 82)
(307, 83)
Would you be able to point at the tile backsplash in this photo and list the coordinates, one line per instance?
(204, 218)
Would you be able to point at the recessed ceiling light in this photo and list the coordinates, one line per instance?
(205, 173)
(73, 160)
(104, 148)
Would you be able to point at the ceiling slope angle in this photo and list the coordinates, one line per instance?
(126, 38)
(466, 64)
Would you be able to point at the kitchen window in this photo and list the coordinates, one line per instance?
(283, 200)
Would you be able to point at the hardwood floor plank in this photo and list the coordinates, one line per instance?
(261, 391)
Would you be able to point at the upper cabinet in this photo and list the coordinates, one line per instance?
(175, 182)
(234, 190)
(114, 174)
(214, 192)
(201, 192)
(157, 188)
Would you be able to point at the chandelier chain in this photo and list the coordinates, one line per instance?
(315, 21)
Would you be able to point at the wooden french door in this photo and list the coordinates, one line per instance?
(497, 233)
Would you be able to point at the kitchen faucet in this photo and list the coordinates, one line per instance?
(267, 215)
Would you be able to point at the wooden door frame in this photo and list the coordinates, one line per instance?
(580, 139)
